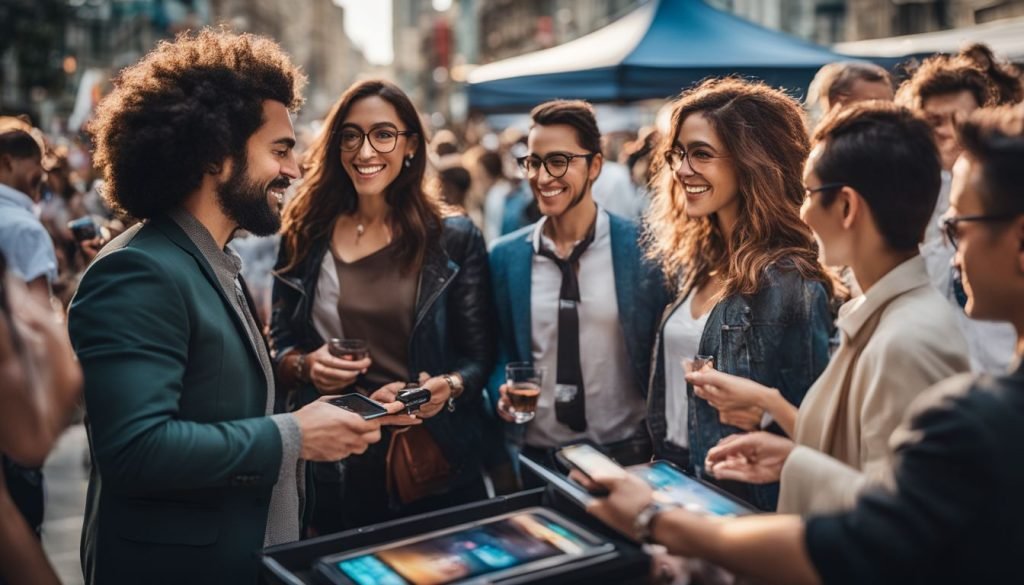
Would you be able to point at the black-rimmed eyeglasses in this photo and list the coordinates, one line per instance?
(555, 164)
(821, 189)
(952, 233)
(383, 140)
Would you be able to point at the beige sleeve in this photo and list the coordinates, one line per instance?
(813, 482)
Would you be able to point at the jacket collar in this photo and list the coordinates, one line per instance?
(907, 276)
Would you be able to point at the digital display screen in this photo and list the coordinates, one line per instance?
(360, 405)
(467, 553)
(671, 485)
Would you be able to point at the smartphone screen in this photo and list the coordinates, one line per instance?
(591, 461)
(359, 404)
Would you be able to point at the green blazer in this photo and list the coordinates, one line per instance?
(184, 457)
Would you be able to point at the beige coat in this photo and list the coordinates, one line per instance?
(896, 341)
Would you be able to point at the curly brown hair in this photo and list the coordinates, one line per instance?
(764, 132)
(945, 74)
(185, 106)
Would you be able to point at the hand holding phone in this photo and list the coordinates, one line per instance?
(589, 461)
(361, 405)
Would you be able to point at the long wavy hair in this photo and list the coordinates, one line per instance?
(763, 131)
(328, 192)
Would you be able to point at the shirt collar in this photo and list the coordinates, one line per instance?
(17, 197)
(907, 276)
(539, 239)
(224, 261)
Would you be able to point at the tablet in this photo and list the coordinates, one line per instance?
(671, 485)
(480, 552)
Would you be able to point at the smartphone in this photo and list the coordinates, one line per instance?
(589, 461)
(83, 228)
(361, 405)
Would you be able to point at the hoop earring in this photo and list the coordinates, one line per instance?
(408, 161)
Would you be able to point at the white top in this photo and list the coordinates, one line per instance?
(614, 405)
(494, 208)
(681, 342)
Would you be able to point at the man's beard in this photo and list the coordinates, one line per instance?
(245, 202)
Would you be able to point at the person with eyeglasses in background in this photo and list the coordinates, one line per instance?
(897, 339)
(750, 293)
(368, 254)
(948, 510)
(944, 90)
(575, 297)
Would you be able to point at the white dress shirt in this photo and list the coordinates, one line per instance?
(614, 404)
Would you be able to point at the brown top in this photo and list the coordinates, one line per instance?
(377, 303)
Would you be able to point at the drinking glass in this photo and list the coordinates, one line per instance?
(350, 349)
(523, 381)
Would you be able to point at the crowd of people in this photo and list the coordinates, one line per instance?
(854, 288)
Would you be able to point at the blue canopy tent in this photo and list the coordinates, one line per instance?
(652, 52)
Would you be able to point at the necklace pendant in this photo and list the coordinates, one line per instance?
(360, 230)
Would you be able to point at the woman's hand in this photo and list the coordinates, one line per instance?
(440, 391)
(750, 458)
(504, 407)
(387, 395)
(331, 375)
(728, 392)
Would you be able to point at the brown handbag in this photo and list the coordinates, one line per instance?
(416, 467)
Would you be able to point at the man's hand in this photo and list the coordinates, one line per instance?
(90, 248)
(504, 408)
(331, 375)
(330, 433)
(751, 458)
(627, 496)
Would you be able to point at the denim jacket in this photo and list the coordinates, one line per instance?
(640, 291)
(451, 331)
(777, 337)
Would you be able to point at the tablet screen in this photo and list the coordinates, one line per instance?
(671, 485)
(467, 553)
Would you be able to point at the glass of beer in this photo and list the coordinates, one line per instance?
(523, 382)
(349, 349)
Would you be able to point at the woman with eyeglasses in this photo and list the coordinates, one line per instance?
(574, 297)
(751, 297)
(896, 340)
(366, 254)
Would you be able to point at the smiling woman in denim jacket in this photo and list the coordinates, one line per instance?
(367, 254)
(751, 292)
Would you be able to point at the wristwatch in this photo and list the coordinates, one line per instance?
(455, 385)
(643, 521)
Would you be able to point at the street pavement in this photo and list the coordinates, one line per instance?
(67, 479)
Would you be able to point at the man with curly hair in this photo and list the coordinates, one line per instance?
(194, 473)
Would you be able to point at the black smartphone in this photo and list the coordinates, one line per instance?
(413, 398)
(588, 460)
(361, 405)
(83, 228)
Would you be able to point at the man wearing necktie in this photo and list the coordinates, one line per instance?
(575, 296)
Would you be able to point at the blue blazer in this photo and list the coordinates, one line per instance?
(640, 293)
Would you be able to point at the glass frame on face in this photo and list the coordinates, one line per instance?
(531, 163)
(675, 156)
(378, 143)
(948, 225)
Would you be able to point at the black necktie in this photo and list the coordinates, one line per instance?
(570, 405)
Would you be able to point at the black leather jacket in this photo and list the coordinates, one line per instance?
(451, 331)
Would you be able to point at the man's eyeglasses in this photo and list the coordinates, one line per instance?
(952, 232)
(555, 164)
(698, 159)
(383, 140)
(808, 192)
